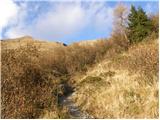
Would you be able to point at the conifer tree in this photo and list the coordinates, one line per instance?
(139, 25)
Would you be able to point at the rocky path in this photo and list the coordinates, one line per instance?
(75, 112)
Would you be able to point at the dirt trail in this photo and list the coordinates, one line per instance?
(75, 112)
(66, 101)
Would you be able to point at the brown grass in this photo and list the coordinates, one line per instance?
(126, 85)
(141, 58)
(31, 76)
(112, 79)
(26, 86)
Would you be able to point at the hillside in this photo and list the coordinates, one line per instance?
(109, 68)
(32, 73)
(26, 40)
(97, 79)
(87, 42)
(125, 86)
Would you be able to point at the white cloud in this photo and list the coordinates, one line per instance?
(17, 25)
(104, 18)
(8, 9)
(61, 20)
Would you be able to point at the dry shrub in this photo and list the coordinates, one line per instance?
(78, 57)
(147, 59)
(30, 77)
(120, 42)
(141, 58)
(101, 47)
(153, 35)
(26, 86)
(155, 24)
(125, 86)
(58, 61)
(114, 46)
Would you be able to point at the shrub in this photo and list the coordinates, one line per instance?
(125, 86)
(78, 57)
(26, 87)
(142, 58)
(155, 24)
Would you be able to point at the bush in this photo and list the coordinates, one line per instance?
(142, 58)
(30, 77)
(124, 86)
(155, 24)
(26, 87)
(78, 57)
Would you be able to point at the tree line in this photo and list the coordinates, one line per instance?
(134, 25)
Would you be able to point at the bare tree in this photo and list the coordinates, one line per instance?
(120, 20)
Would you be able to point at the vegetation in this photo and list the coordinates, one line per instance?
(113, 78)
(26, 85)
(120, 25)
(33, 79)
(125, 86)
(139, 25)
(155, 24)
(127, 79)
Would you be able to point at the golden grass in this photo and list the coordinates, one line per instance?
(31, 76)
(126, 87)
(27, 40)
(112, 80)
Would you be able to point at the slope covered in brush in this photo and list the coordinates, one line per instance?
(125, 86)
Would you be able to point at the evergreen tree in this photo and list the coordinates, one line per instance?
(139, 25)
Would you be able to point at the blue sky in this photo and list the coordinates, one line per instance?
(65, 21)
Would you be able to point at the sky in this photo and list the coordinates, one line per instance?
(65, 21)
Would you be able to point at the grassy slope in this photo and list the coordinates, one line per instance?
(34, 70)
(27, 82)
(23, 41)
(125, 86)
(121, 86)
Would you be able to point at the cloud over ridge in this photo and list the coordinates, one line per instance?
(65, 21)
(61, 20)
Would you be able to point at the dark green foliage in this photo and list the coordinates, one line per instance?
(139, 25)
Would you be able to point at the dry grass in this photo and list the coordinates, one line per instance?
(23, 41)
(27, 87)
(141, 58)
(31, 76)
(126, 85)
(110, 81)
